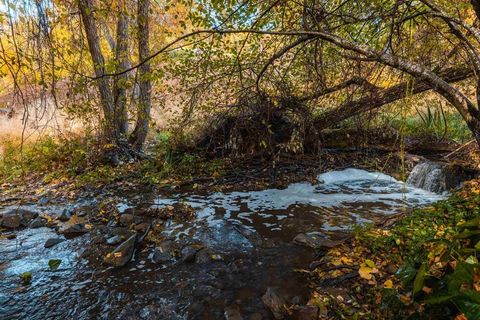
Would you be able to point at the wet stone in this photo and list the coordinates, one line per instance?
(42, 201)
(142, 227)
(38, 222)
(305, 313)
(26, 215)
(274, 302)
(65, 216)
(52, 242)
(391, 268)
(126, 219)
(204, 256)
(315, 241)
(11, 236)
(99, 239)
(167, 246)
(123, 232)
(157, 256)
(122, 254)
(188, 253)
(256, 316)
(74, 231)
(114, 240)
(11, 221)
(233, 313)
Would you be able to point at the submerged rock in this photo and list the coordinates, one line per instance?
(274, 302)
(315, 241)
(52, 242)
(122, 254)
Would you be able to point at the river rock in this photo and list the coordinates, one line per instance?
(42, 201)
(122, 254)
(26, 215)
(159, 256)
(16, 218)
(167, 246)
(52, 242)
(274, 302)
(305, 313)
(38, 222)
(315, 241)
(126, 219)
(233, 313)
(141, 227)
(65, 216)
(11, 221)
(114, 240)
(74, 231)
(188, 253)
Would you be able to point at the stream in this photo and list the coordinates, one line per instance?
(239, 244)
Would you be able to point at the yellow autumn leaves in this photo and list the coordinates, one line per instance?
(367, 268)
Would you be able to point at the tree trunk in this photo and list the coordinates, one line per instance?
(377, 99)
(145, 87)
(120, 82)
(86, 11)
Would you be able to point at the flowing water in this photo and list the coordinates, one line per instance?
(250, 233)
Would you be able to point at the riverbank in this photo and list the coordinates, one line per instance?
(131, 230)
(422, 265)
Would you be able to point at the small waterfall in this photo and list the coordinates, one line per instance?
(432, 176)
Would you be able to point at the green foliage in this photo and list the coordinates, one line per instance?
(53, 264)
(437, 248)
(53, 158)
(26, 278)
(435, 123)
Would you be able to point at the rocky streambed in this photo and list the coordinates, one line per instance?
(201, 255)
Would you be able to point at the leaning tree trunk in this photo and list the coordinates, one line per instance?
(86, 10)
(120, 82)
(145, 87)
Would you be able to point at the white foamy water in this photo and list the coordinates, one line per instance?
(339, 200)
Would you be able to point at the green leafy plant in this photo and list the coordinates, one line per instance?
(53, 264)
(26, 278)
